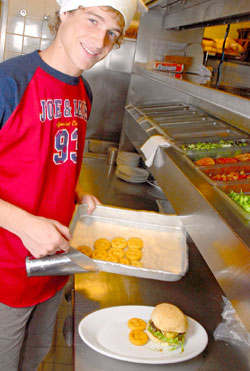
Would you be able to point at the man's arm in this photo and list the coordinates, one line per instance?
(39, 235)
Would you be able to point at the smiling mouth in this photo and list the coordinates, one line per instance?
(89, 51)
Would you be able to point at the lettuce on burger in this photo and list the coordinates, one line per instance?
(167, 326)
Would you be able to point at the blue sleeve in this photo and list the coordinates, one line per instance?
(8, 99)
(88, 89)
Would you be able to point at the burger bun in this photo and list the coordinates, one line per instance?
(168, 317)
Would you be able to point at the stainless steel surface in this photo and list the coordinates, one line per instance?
(99, 179)
(147, 87)
(230, 102)
(54, 265)
(197, 293)
(112, 155)
(83, 261)
(219, 232)
(213, 225)
(109, 81)
(153, 40)
(222, 237)
(3, 26)
(174, 106)
(191, 12)
(164, 254)
(188, 123)
(98, 146)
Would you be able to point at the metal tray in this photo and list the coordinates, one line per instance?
(192, 157)
(225, 134)
(184, 120)
(197, 129)
(224, 170)
(165, 255)
(164, 107)
(173, 114)
(222, 152)
(224, 190)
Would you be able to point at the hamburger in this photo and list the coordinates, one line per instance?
(167, 326)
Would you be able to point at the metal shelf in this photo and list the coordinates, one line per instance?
(193, 87)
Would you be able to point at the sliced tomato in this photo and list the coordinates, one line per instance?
(205, 161)
(225, 160)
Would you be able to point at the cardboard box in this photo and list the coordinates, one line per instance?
(178, 59)
(165, 66)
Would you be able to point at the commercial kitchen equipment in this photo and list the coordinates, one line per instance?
(221, 234)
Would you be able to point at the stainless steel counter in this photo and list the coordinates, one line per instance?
(99, 178)
(197, 294)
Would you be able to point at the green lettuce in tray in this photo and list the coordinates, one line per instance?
(213, 145)
(241, 199)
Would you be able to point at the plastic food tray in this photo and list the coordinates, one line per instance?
(224, 190)
(165, 255)
(221, 169)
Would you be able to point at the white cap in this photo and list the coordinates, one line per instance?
(126, 7)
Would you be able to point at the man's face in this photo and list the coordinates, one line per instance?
(86, 37)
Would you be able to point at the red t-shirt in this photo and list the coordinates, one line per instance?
(41, 148)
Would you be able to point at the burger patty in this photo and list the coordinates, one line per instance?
(154, 328)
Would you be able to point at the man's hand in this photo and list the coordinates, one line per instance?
(39, 235)
(44, 236)
(86, 198)
(91, 201)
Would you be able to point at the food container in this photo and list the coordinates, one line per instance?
(237, 144)
(224, 191)
(192, 157)
(180, 120)
(173, 106)
(179, 113)
(198, 130)
(164, 254)
(164, 108)
(211, 171)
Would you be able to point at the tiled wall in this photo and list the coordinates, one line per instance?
(27, 26)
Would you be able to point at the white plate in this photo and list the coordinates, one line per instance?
(127, 163)
(137, 171)
(106, 331)
(131, 179)
(126, 155)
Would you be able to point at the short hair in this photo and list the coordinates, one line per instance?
(56, 21)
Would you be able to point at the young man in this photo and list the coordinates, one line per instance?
(44, 107)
